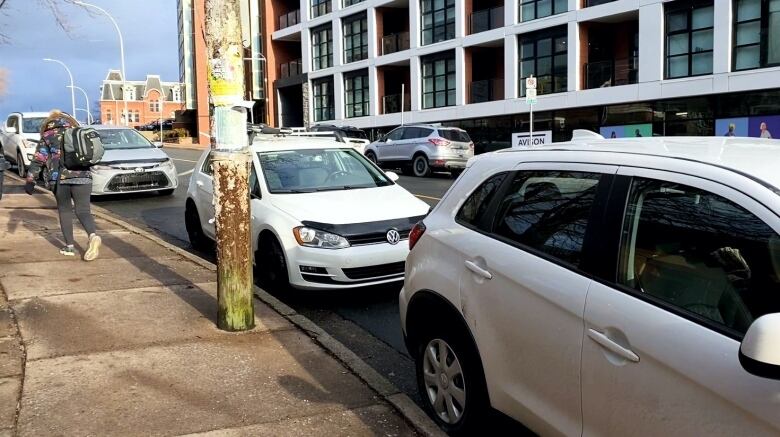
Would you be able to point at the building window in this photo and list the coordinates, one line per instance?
(129, 92)
(352, 2)
(177, 94)
(689, 34)
(320, 7)
(357, 95)
(533, 9)
(322, 47)
(109, 118)
(323, 99)
(355, 38)
(154, 106)
(543, 55)
(438, 20)
(438, 74)
(756, 34)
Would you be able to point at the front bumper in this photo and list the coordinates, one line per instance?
(130, 180)
(353, 267)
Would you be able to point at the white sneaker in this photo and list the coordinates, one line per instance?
(68, 251)
(94, 248)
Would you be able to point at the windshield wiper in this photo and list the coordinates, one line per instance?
(296, 191)
(342, 187)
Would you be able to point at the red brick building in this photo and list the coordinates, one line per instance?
(147, 100)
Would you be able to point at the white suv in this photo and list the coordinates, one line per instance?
(323, 216)
(604, 287)
(19, 138)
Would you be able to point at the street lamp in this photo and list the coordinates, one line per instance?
(72, 93)
(121, 50)
(86, 97)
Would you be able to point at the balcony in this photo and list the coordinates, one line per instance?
(392, 103)
(395, 43)
(291, 69)
(487, 19)
(290, 19)
(488, 90)
(611, 73)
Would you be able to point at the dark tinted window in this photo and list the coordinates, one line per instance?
(548, 211)
(455, 135)
(474, 208)
(701, 253)
(416, 132)
(207, 170)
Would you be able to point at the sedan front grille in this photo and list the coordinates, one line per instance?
(138, 181)
(374, 238)
(376, 271)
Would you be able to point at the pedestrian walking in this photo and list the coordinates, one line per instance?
(72, 186)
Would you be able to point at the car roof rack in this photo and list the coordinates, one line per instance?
(262, 129)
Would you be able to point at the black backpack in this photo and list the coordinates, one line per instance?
(81, 148)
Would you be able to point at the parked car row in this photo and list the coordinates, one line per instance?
(131, 163)
(155, 125)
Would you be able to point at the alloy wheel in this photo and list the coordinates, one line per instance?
(20, 170)
(444, 381)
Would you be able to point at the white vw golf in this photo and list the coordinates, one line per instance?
(323, 216)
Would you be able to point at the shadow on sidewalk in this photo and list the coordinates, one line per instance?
(20, 217)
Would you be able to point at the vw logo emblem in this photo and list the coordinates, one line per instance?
(393, 237)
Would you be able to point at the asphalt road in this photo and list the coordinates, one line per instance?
(365, 320)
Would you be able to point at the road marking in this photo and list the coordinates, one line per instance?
(184, 160)
(427, 197)
(186, 173)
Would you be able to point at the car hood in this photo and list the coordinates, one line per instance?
(133, 155)
(351, 206)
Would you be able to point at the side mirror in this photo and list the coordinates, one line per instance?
(392, 175)
(10, 130)
(759, 353)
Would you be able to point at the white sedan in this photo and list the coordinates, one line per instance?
(131, 164)
(323, 216)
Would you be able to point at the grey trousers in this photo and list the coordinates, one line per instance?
(68, 197)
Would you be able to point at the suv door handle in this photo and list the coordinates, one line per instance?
(611, 346)
(479, 271)
(199, 183)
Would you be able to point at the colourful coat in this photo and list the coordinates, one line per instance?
(49, 152)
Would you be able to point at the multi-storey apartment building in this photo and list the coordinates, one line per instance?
(622, 67)
(147, 100)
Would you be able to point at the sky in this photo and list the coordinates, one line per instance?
(90, 49)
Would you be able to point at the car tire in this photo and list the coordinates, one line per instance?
(271, 265)
(371, 156)
(464, 416)
(167, 192)
(21, 170)
(198, 239)
(420, 166)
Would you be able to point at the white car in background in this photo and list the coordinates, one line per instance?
(603, 288)
(131, 164)
(323, 216)
(19, 138)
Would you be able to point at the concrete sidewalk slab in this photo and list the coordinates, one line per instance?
(373, 420)
(238, 380)
(11, 201)
(102, 321)
(9, 393)
(46, 246)
(28, 280)
(11, 357)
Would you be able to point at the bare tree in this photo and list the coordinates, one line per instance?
(53, 6)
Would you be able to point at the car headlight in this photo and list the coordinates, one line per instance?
(30, 156)
(167, 165)
(99, 167)
(310, 237)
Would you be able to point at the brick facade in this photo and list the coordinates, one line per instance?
(147, 100)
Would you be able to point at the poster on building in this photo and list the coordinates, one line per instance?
(732, 127)
(627, 131)
(523, 139)
(757, 126)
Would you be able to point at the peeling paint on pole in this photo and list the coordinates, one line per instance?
(231, 166)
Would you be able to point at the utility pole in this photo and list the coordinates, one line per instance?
(231, 164)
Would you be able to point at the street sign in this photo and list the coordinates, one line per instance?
(530, 82)
(530, 95)
(528, 139)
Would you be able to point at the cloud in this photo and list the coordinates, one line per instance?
(90, 49)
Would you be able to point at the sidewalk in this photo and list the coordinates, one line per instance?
(127, 345)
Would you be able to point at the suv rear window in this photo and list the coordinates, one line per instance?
(455, 135)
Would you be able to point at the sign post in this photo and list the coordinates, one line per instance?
(530, 100)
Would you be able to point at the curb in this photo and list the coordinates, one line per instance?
(386, 389)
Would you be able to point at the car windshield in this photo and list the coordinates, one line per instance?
(32, 125)
(123, 139)
(455, 135)
(310, 170)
